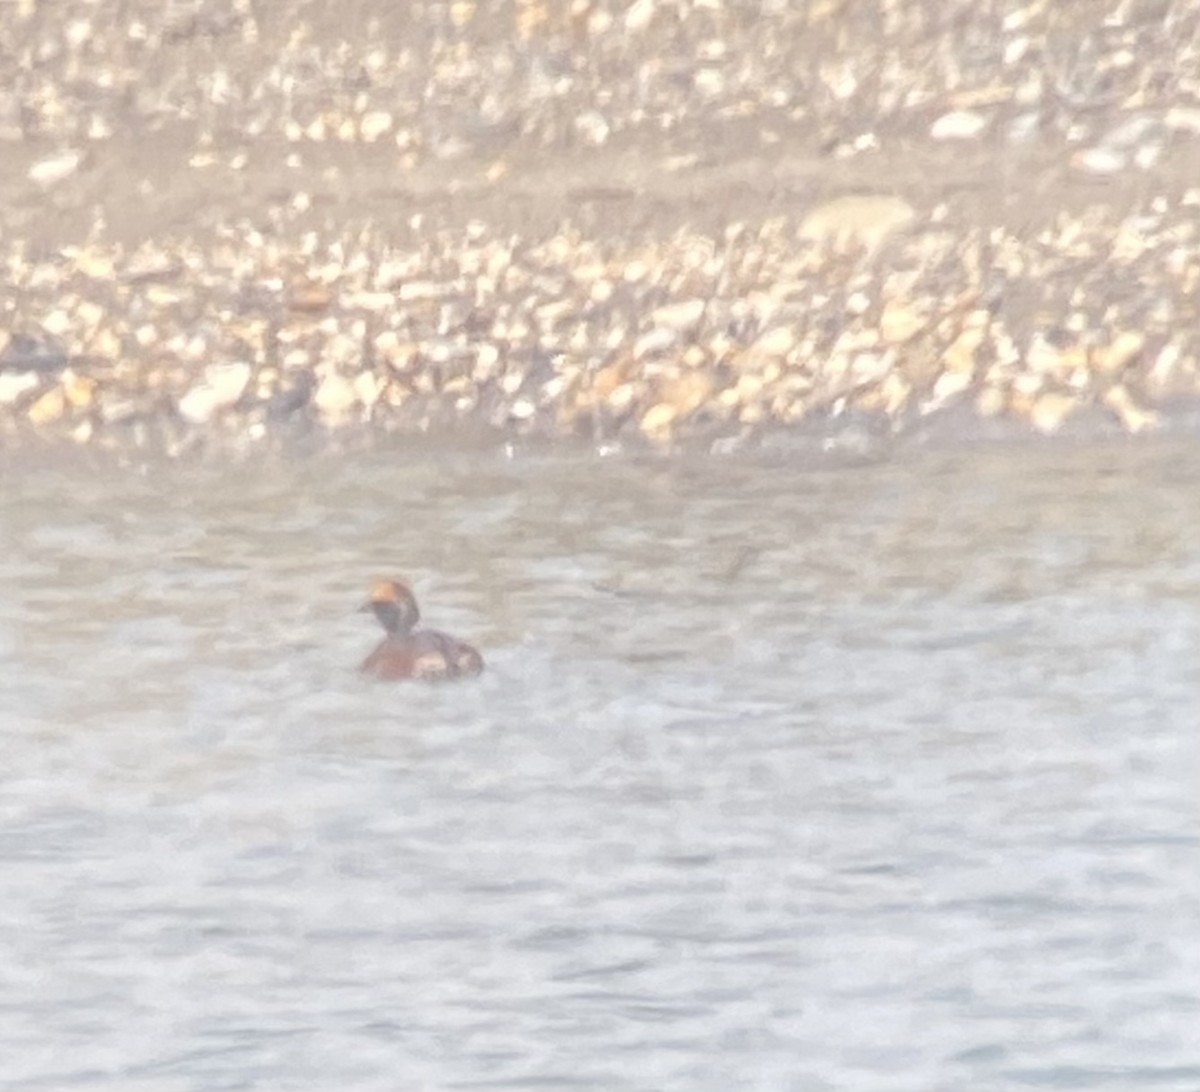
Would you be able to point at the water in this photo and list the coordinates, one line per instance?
(864, 778)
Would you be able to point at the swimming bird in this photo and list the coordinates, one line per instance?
(410, 653)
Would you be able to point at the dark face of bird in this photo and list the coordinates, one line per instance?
(394, 604)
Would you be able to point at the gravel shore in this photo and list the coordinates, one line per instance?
(224, 223)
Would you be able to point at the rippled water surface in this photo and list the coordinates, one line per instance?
(865, 778)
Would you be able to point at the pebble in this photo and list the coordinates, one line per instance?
(991, 402)
(1044, 358)
(593, 127)
(374, 125)
(654, 343)
(57, 323)
(56, 168)
(1123, 351)
(1100, 160)
(117, 409)
(368, 388)
(958, 125)
(79, 390)
(961, 355)
(678, 316)
(335, 396)
(14, 384)
(639, 14)
(688, 392)
(417, 291)
(900, 323)
(947, 387)
(1050, 410)
(48, 407)
(1133, 417)
(1183, 119)
(223, 386)
(776, 342)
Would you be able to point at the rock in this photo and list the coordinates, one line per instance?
(375, 124)
(894, 393)
(414, 291)
(858, 303)
(654, 343)
(309, 298)
(601, 291)
(1124, 349)
(89, 315)
(678, 316)
(960, 354)
(870, 367)
(223, 385)
(958, 125)
(593, 127)
(228, 381)
(399, 355)
(635, 271)
(709, 82)
(79, 389)
(991, 402)
(49, 407)
(198, 405)
(1100, 161)
(688, 392)
(164, 295)
(368, 387)
(748, 387)
(116, 409)
(57, 323)
(949, 385)
(751, 414)
(1050, 410)
(900, 323)
(1183, 118)
(487, 362)
(1044, 358)
(622, 397)
(639, 14)
(1134, 418)
(658, 419)
(55, 168)
(608, 379)
(1165, 370)
(371, 301)
(15, 384)
(774, 343)
(335, 397)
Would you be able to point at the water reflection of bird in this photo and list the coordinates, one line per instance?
(410, 653)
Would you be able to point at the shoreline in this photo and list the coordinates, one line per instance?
(235, 257)
(813, 446)
(850, 312)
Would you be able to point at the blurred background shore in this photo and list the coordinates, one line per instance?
(227, 224)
